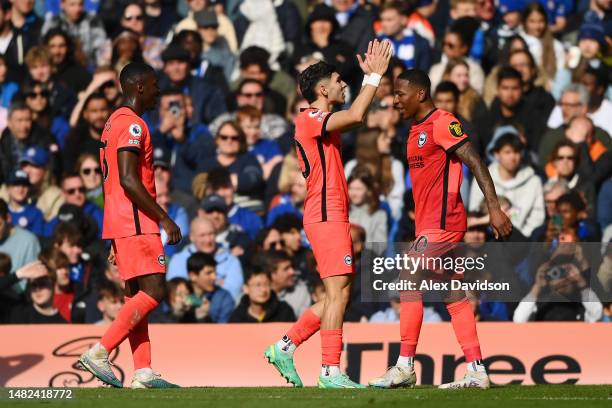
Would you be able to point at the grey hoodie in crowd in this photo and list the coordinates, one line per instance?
(524, 192)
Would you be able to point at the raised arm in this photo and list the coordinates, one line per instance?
(375, 63)
(502, 227)
(130, 181)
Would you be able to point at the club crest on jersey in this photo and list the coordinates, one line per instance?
(317, 114)
(135, 130)
(162, 260)
(455, 129)
(348, 260)
(422, 139)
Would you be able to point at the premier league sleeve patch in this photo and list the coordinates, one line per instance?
(135, 130)
(455, 129)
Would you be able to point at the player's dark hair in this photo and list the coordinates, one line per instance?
(448, 87)
(417, 78)
(133, 73)
(572, 198)
(508, 73)
(310, 78)
(4, 211)
(269, 260)
(198, 261)
(286, 223)
(508, 139)
(219, 178)
(5, 264)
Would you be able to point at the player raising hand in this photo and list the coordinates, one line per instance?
(317, 141)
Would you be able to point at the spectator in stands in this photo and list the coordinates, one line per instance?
(86, 27)
(412, 49)
(8, 88)
(259, 304)
(202, 238)
(547, 51)
(180, 305)
(229, 236)
(561, 292)
(43, 191)
(284, 282)
(536, 98)
(26, 27)
(566, 164)
(110, 301)
(88, 166)
(267, 152)
(125, 49)
(268, 239)
(207, 99)
(217, 303)
(456, 45)
(596, 82)
(19, 136)
(246, 173)
(36, 97)
(68, 67)
(518, 183)
(162, 167)
(63, 292)
(251, 92)
(41, 310)
(470, 102)
(61, 99)
(21, 245)
(85, 137)
(23, 213)
(355, 23)
(322, 42)
(292, 191)
(290, 228)
(216, 49)
(573, 210)
(220, 183)
(176, 213)
(373, 151)
(74, 192)
(604, 209)
(365, 205)
(159, 18)
(9, 298)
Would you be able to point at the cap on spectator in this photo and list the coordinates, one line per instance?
(206, 18)
(175, 52)
(18, 178)
(70, 213)
(36, 156)
(161, 157)
(214, 202)
(593, 31)
(510, 6)
(322, 12)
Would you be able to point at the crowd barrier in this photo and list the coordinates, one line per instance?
(232, 355)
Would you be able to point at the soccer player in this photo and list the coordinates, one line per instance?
(435, 150)
(131, 220)
(317, 141)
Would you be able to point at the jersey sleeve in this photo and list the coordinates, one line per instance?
(131, 137)
(314, 123)
(448, 133)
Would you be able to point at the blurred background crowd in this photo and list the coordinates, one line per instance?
(530, 82)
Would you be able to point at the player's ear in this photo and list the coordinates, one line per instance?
(422, 95)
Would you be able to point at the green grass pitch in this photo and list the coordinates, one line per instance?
(558, 396)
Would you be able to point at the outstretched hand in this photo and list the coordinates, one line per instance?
(376, 59)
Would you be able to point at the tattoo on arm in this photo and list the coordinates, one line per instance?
(472, 159)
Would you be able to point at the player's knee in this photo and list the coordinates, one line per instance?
(157, 292)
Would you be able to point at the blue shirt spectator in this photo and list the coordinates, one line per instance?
(23, 214)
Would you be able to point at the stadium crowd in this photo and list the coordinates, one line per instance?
(529, 81)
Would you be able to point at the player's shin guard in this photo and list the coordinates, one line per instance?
(331, 347)
(140, 343)
(464, 325)
(135, 310)
(307, 325)
(411, 319)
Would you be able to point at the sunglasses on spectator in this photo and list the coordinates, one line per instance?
(233, 138)
(572, 158)
(44, 94)
(252, 94)
(450, 45)
(88, 170)
(130, 18)
(72, 191)
(277, 243)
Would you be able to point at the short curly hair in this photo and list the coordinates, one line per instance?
(311, 76)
